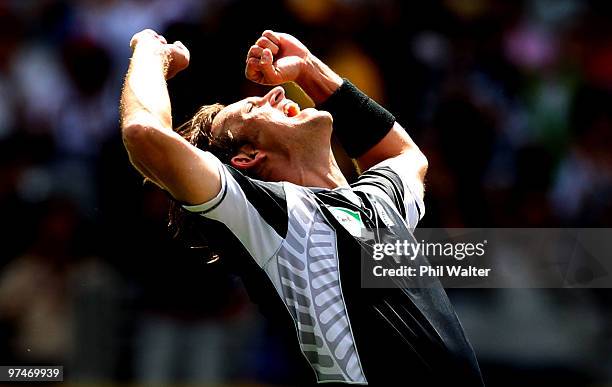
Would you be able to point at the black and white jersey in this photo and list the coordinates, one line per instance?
(305, 244)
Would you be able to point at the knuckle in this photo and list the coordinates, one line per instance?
(254, 50)
(271, 35)
(265, 42)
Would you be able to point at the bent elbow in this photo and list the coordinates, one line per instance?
(419, 162)
(139, 139)
(133, 134)
(137, 142)
(423, 165)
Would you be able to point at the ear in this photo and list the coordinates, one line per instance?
(248, 158)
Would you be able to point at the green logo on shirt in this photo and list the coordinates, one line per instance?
(349, 219)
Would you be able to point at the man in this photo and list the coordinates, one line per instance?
(303, 244)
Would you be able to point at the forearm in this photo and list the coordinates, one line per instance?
(395, 143)
(145, 94)
(145, 103)
(359, 122)
(155, 149)
(367, 131)
(318, 80)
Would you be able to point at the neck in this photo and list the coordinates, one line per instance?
(330, 177)
(308, 173)
(324, 175)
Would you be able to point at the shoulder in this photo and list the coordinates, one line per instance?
(393, 180)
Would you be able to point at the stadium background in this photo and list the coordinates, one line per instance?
(510, 101)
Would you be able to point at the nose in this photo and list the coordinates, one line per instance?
(274, 96)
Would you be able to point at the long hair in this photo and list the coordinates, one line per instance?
(191, 228)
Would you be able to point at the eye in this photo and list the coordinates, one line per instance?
(249, 107)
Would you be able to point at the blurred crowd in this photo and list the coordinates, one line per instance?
(510, 101)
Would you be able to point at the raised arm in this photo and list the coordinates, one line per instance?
(278, 58)
(158, 152)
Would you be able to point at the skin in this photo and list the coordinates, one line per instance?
(284, 143)
(287, 144)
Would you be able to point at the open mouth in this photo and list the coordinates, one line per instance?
(291, 109)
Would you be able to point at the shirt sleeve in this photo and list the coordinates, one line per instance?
(394, 181)
(254, 211)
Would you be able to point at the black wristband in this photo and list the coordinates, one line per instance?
(359, 122)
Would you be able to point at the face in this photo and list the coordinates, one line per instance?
(271, 114)
(275, 126)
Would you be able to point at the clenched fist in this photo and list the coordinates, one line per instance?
(175, 53)
(276, 58)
